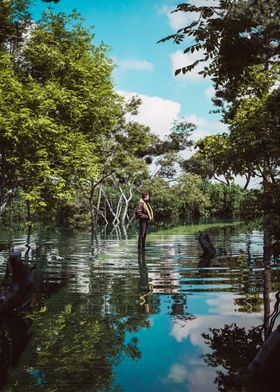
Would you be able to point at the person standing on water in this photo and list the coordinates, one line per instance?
(145, 214)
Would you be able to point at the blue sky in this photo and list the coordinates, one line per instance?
(132, 28)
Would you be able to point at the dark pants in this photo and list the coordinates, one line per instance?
(143, 228)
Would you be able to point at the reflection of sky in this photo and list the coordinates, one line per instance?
(172, 348)
(167, 364)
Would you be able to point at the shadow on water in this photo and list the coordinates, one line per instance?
(104, 314)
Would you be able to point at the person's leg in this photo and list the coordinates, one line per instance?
(143, 227)
(140, 234)
(144, 234)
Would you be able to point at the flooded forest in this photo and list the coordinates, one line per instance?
(139, 236)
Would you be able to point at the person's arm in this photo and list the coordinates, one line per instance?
(140, 213)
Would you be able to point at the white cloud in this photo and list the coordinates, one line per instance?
(135, 65)
(177, 20)
(205, 127)
(159, 114)
(178, 373)
(156, 112)
(180, 60)
(180, 19)
(209, 92)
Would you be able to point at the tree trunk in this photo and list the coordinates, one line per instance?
(266, 279)
(28, 213)
(97, 211)
(248, 179)
(118, 211)
(109, 205)
(4, 194)
(126, 200)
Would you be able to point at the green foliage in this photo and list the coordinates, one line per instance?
(14, 214)
(251, 207)
(254, 129)
(81, 349)
(162, 197)
(251, 148)
(191, 196)
(249, 303)
(168, 149)
(177, 140)
(213, 158)
(230, 37)
(45, 152)
(63, 127)
(14, 21)
(191, 199)
(226, 200)
(239, 45)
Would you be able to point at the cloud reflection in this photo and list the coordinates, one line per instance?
(198, 377)
(192, 329)
(178, 374)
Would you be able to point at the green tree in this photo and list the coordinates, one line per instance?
(66, 119)
(226, 200)
(15, 21)
(254, 129)
(230, 36)
(213, 159)
(168, 149)
(192, 200)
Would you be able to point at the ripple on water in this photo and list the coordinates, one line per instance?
(179, 293)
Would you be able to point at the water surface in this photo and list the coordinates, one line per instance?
(105, 317)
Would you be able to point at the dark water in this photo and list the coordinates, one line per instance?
(103, 317)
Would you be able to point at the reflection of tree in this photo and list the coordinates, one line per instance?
(249, 303)
(14, 327)
(121, 291)
(233, 348)
(76, 350)
(13, 339)
(179, 306)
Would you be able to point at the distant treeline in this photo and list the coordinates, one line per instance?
(189, 198)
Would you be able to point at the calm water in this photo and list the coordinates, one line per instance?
(103, 317)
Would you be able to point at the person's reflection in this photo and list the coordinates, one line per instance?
(145, 289)
(13, 339)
